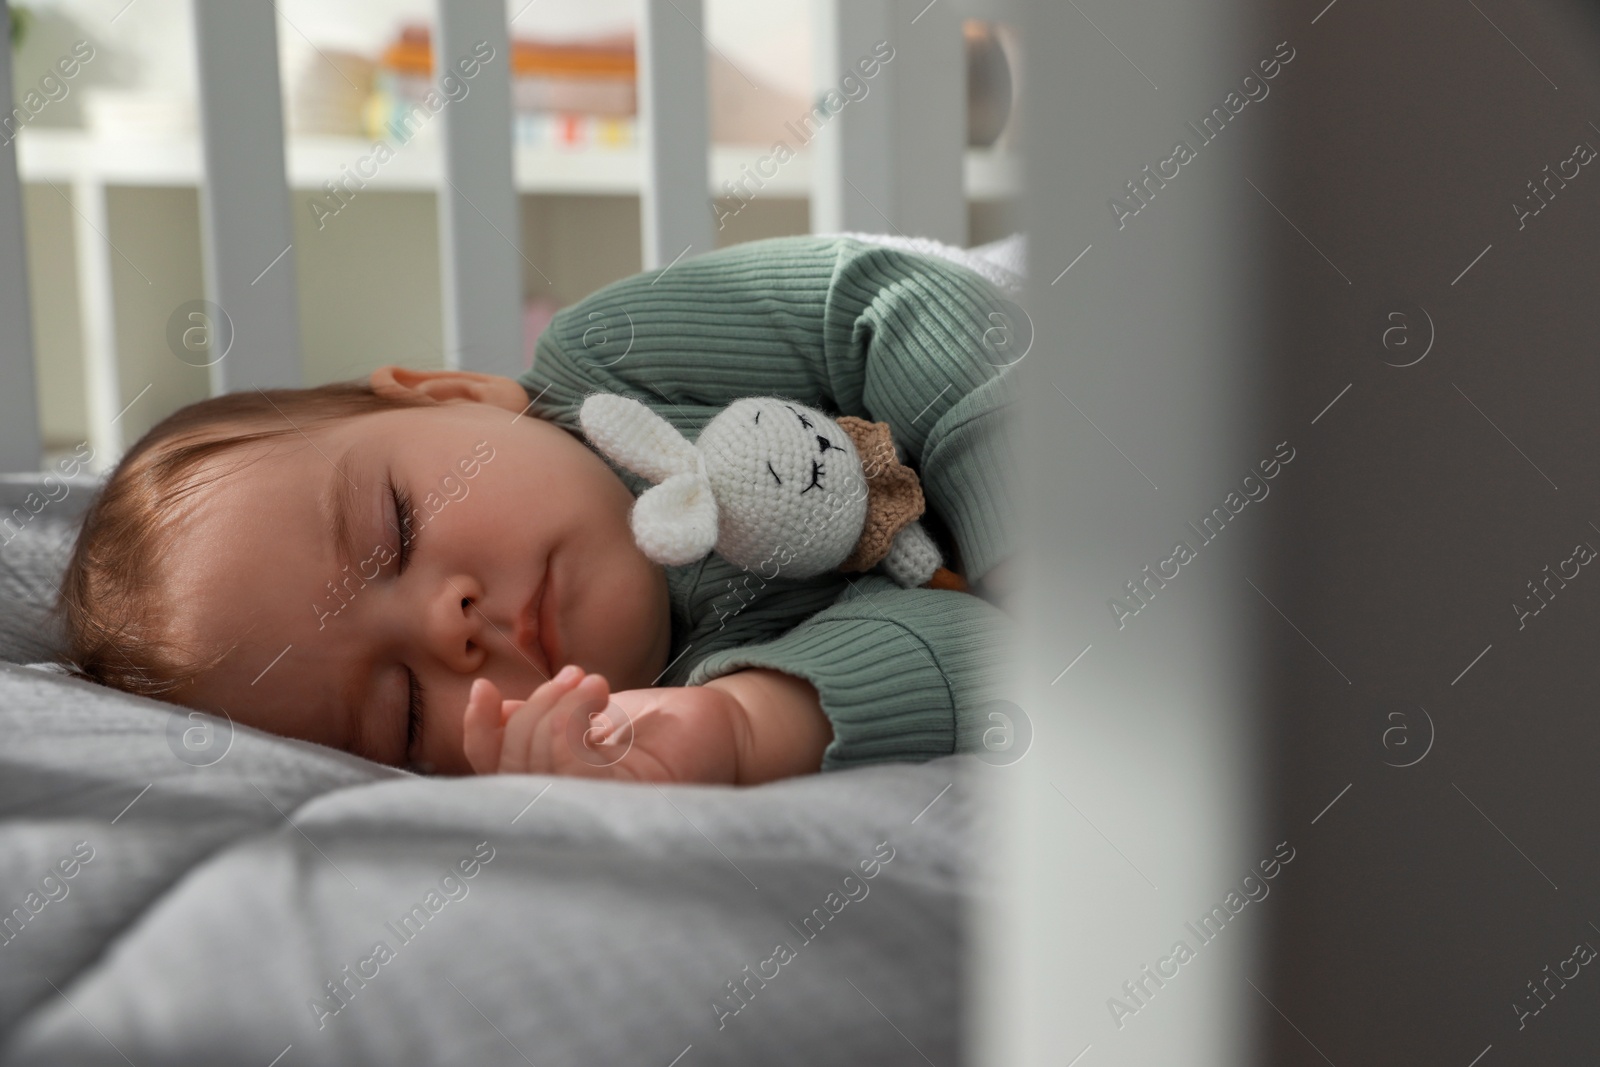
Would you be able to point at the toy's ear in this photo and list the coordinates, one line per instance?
(636, 437)
(676, 522)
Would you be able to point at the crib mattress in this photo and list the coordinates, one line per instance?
(175, 890)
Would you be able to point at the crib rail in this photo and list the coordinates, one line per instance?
(894, 166)
(248, 238)
(20, 448)
(673, 120)
(481, 261)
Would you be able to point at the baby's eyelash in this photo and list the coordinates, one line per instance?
(402, 510)
(413, 712)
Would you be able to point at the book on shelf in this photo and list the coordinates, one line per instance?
(576, 95)
(593, 77)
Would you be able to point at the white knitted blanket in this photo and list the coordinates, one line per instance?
(1002, 262)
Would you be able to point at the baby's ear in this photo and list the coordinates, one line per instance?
(636, 437)
(442, 385)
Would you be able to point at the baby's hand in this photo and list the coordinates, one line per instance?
(574, 725)
(529, 737)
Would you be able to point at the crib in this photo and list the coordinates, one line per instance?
(668, 897)
(894, 168)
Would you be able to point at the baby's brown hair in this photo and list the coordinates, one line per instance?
(112, 629)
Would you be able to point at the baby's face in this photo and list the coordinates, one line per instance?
(518, 559)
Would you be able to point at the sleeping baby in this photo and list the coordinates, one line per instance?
(441, 570)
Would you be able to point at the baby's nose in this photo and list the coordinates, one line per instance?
(453, 627)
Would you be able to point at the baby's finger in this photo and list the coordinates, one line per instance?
(548, 691)
(582, 733)
(520, 717)
(557, 743)
(481, 729)
(516, 754)
(522, 754)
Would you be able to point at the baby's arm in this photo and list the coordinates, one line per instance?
(902, 674)
(786, 728)
(744, 728)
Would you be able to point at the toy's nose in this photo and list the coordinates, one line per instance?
(823, 444)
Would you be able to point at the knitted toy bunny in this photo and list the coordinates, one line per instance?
(770, 485)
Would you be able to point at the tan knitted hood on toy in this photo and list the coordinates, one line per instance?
(894, 495)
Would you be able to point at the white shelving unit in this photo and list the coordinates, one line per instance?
(74, 156)
(86, 166)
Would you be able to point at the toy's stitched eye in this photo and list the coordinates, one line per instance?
(758, 418)
(773, 473)
(804, 422)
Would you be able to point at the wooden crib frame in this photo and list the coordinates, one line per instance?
(897, 166)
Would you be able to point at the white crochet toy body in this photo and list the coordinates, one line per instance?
(772, 486)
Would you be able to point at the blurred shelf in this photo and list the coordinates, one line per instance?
(61, 155)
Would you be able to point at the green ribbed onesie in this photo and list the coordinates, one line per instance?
(853, 329)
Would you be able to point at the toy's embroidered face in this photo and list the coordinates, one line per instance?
(812, 479)
(788, 484)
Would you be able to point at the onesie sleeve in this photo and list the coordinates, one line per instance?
(903, 674)
(833, 322)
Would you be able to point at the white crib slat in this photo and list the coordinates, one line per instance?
(97, 322)
(20, 448)
(891, 161)
(479, 227)
(675, 209)
(247, 232)
(855, 145)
